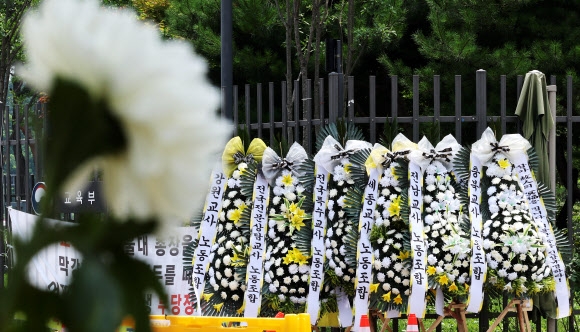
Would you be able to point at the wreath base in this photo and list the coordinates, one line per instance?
(521, 307)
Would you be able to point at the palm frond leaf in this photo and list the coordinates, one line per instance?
(461, 164)
(306, 170)
(303, 238)
(564, 246)
(534, 161)
(402, 173)
(549, 201)
(358, 170)
(353, 203)
(341, 131)
(247, 180)
(351, 246)
(390, 130)
(405, 208)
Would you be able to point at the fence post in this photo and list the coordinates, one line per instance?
(333, 97)
(552, 89)
(481, 101)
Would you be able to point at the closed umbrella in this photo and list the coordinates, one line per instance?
(534, 111)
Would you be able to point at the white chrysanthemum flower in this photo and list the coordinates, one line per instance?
(165, 109)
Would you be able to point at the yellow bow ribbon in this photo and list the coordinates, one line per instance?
(234, 154)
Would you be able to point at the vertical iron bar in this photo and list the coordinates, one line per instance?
(350, 98)
(332, 97)
(236, 110)
(284, 112)
(372, 108)
(520, 83)
(321, 101)
(227, 57)
(415, 108)
(27, 186)
(481, 101)
(2, 205)
(297, 111)
(271, 110)
(458, 118)
(570, 184)
(247, 110)
(17, 153)
(437, 103)
(503, 103)
(394, 97)
(259, 108)
(308, 129)
(8, 185)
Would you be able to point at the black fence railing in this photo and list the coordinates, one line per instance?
(463, 106)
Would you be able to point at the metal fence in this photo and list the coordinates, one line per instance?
(392, 99)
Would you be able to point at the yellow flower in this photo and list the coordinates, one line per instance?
(206, 297)
(347, 168)
(398, 299)
(431, 270)
(292, 208)
(443, 280)
(393, 173)
(453, 288)
(287, 179)
(395, 207)
(297, 222)
(235, 215)
(295, 256)
(237, 261)
(374, 287)
(387, 297)
(404, 255)
(218, 307)
(466, 287)
(504, 163)
(241, 310)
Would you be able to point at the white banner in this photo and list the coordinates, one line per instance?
(258, 223)
(538, 211)
(419, 284)
(207, 231)
(364, 251)
(52, 268)
(319, 229)
(344, 309)
(478, 267)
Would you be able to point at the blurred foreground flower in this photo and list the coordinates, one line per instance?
(126, 102)
(141, 111)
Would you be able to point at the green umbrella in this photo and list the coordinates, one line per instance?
(534, 111)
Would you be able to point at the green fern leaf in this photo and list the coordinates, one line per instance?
(247, 180)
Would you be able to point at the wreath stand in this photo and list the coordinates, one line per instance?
(455, 310)
(521, 307)
(386, 321)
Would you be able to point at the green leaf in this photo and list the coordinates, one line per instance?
(247, 180)
(94, 299)
(461, 164)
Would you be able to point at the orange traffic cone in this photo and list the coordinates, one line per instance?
(364, 324)
(412, 325)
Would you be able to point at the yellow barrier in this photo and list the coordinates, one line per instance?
(290, 323)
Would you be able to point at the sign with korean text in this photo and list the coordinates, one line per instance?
(540, 216)
(258, 223)
(207, 231)
(478, 267)
(319, 229)
(364, 250)
(419, 282)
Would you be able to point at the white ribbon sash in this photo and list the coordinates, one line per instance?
(254, 274)
(478, 267)
(364, 249)
(419, 282)
(319, 229)
(207, 231)
(538, 211)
